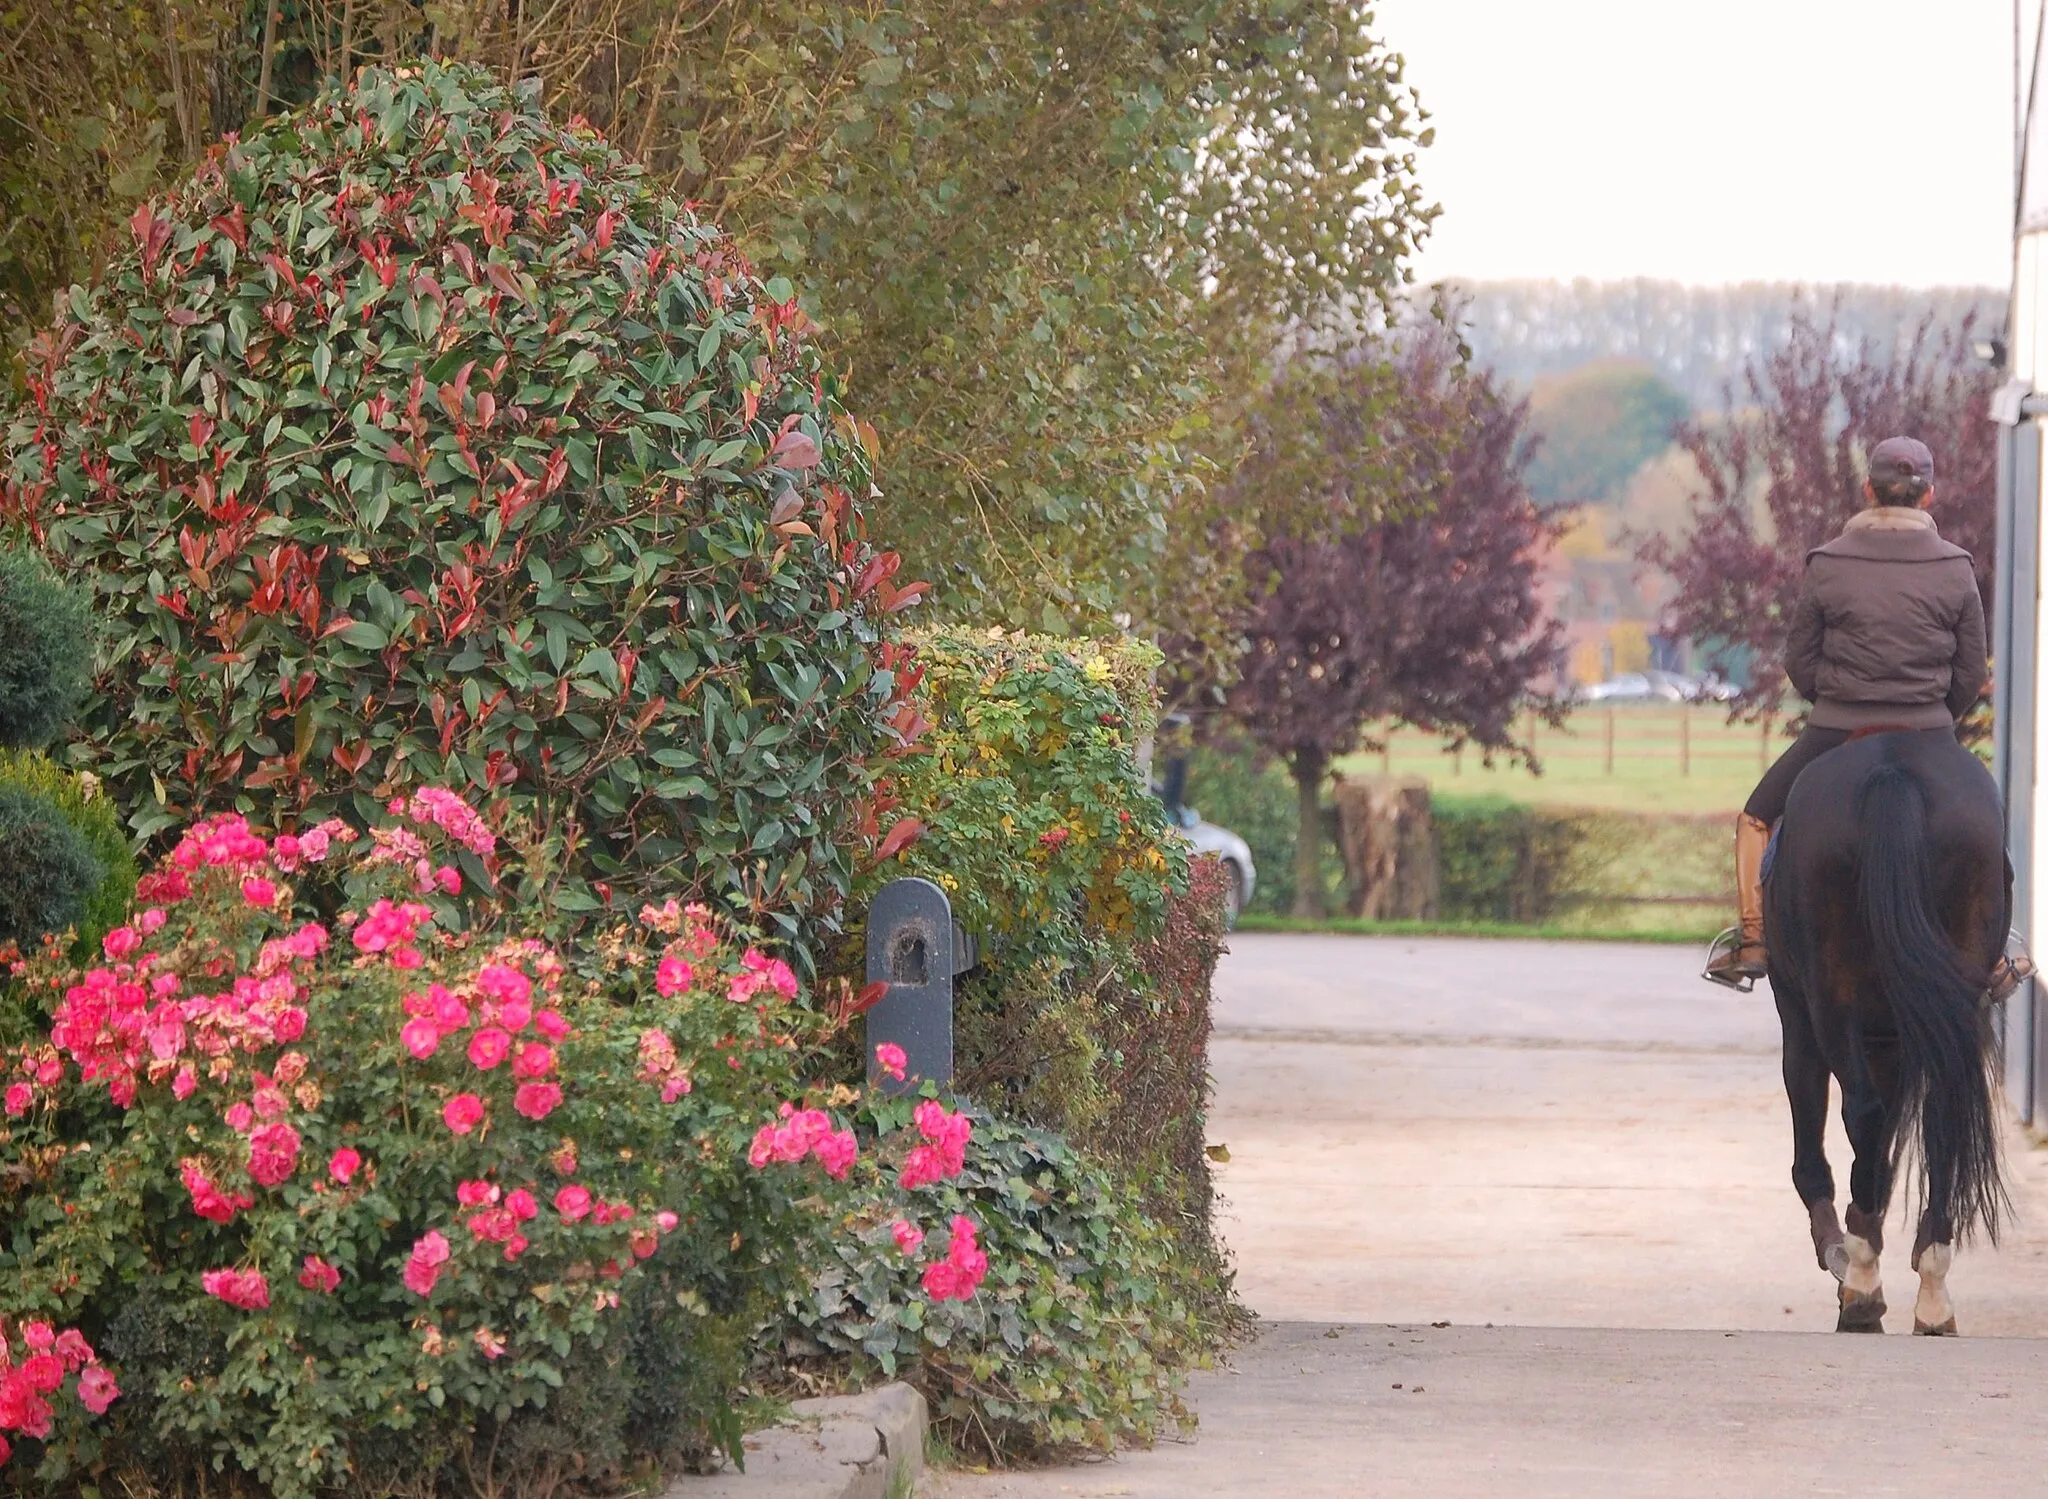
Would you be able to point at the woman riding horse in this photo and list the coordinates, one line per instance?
(1888, 633)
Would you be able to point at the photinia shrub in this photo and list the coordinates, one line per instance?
(416, 441)
(378, 1202)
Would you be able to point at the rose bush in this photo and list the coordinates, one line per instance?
(393, 1200)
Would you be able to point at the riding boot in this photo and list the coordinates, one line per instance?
(1748, 959)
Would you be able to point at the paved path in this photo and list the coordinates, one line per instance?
(1546, 1137)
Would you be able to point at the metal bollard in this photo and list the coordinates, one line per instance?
(912, 949)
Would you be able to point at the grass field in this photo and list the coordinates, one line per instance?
(1640, 758)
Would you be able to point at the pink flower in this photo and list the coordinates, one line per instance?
(534, 1060)
(239, 1117)
(96, 1391)
(666, 1221)
(449, 879)
(39, 1335)
(959, 1275)
(343, 1164)
(208, 1200)
(420, 1036)
(836, 1153)
(317, 1275)
(675, 1087)
(502, 982)
(774, 972)
(448, 1009)
(573, 1202)
(520, 1204)
(488, 1047)
(72, 1347)
(551, 1026)
(423, 1267)
(19, 1097)
(44, 1372)
(273, 1154)
(259, 892)
(892, 1059)
(150, 920)
(463, 1113)
(475, 1194)
(247, 1289)
(909, 1237)
(120, 942)
(537, 1100)
(488, 1343)
(284, 852)
(672, 976)
(185, 1083)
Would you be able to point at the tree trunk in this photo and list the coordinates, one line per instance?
(1308, 767)
(269, 52)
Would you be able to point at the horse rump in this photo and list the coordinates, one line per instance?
(1945, 1041)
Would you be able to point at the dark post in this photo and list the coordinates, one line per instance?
(911, 949)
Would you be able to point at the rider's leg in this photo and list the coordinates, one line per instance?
(1748, 959)
(2012, 969)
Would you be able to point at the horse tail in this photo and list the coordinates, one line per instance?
(1944, 1036)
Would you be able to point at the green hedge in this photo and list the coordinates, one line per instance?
(1499, 860)
(95, 823)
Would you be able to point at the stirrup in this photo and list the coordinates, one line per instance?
(2014, 968)
(1727, 944)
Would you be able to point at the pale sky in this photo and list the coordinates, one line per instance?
(1716, 140)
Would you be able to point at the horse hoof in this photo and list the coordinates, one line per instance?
(1860, 1314)
(1946, 1330)
(1835, 1260)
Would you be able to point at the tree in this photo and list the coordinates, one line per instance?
(1418, 604)
(1783, 470)
(1050, 242)
(1596, 426)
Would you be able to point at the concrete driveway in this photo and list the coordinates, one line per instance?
(1577, 1157)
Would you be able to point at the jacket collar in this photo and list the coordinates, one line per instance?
(1890, 534)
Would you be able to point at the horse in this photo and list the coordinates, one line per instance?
(1886, 906)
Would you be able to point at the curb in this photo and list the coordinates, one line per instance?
(866, 1446)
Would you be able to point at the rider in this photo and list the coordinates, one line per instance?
(1888, 633)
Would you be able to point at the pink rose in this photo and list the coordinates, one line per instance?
(259, 892)
(463, 1113)
(909, 1237)
(343, 1164)
(120, 942)
(423, 1267)
(551, 1026)
(488, 1047)
(448, 1008)
(892, 1059)
(520, 1204)
(535, 1060)
(44, 1372)
(97, 1390)
(150, 921)
(317, 1275)
(475, 1194)
(247, 1289)
(672, 976)
(273, 1154)
(19, 1097)
(666, 1221)
(675, 1087)
(239, 1117)
(537, 1100)
(573, 1202)
(449, 879)
(185, 1083)
(420, 1037)
(284, 852)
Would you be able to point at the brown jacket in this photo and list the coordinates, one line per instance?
(1889, 628)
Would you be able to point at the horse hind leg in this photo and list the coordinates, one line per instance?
(1934, 1314)
(1862, 1291)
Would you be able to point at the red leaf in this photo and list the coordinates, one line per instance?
(795, 449)
(868, 998)
(788, 506)
(906, 832)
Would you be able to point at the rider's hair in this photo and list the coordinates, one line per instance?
(1907, 490)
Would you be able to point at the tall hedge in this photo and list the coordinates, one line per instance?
(417, 440)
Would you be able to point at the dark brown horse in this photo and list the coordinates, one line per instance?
(1888, 904)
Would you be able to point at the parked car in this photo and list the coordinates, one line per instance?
(1240, 879)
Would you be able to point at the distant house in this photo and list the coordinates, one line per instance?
(1612, 609)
